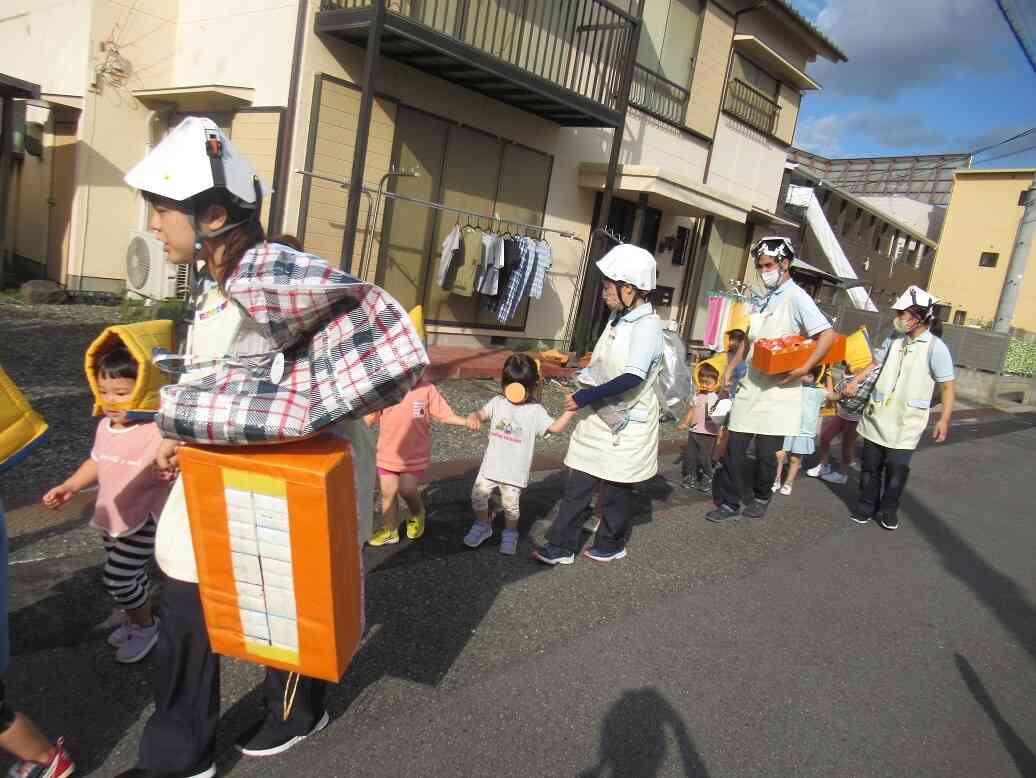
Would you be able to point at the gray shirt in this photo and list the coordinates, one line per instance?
(513, 430)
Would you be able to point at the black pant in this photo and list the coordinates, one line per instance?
(697, 457)
(617, 504)
(728, 485)
(185, 678)
(883, 477)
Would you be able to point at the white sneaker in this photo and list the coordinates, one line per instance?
(835, 478)
(786, 489)
(776, 487)
(819, 471)
(139, 642)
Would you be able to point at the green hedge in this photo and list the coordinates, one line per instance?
(1021, 358)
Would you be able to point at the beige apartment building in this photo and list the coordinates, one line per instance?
(977, 239)
(505, 109)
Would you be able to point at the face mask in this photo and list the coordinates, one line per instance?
(901, 326)
(771, 278)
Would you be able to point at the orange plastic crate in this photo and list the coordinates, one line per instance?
(274, 532)
(773, 362)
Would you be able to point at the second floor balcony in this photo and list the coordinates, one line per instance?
(560, 59)
(751, 106)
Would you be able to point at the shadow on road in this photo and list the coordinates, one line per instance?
(1023, 756)
(634, 739)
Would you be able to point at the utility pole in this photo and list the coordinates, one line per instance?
(1019, 258)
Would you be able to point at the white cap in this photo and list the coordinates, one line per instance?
(630, 264)
(915, 296)
(194, 157)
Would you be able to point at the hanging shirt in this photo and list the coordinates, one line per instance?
(492, 262)
(512, 259)
(518, 282)
(463, 281)
(449, 247)
(544, 261)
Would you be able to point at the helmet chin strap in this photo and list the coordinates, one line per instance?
(201, 235)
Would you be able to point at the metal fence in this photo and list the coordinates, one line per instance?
(658, 96)
(751, 106)
(580, 45)
(970, 347)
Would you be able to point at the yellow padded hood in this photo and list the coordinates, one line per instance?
(858, 350)
(21, 427)
(718, 361)
(140, 339)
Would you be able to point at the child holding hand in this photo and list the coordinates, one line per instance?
(701, 440)
(130, 497)
(404, 453)
(515, 421)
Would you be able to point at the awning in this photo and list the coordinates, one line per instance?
(811, 270)
(666, 191)
(197, 98)
(759, 216)
(16, 87)
(773, 63)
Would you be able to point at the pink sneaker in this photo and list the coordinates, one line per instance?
(59, 766)
(138, 644)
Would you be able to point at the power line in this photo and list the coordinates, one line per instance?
(1010, 153)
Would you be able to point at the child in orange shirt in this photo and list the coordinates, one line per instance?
(404, 453)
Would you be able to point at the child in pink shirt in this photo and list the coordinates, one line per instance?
(404, 453)
(697, 458)
(130, 497)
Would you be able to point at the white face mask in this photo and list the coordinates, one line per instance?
(771, 278)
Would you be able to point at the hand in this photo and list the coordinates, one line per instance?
(59, 495)
(570, 404)
(851, 389)
(474, 424)
(166, 460)
(942, 430)
(682, 426)
(794, 376)
(727, 379)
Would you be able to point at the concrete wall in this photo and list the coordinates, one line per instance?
(47, 43)
(710, 70)
(746, 163)
(983, 216)
(923, 217)
(112, 138)
(231, 45)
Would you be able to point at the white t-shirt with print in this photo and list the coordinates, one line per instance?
(513, 430)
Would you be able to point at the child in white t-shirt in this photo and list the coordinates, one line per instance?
(515, 421)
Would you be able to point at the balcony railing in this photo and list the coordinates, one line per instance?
(658, 96)
(534, 54)
(751, 106)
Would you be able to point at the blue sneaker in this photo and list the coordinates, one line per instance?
(605, 556)
(479, 533)
(550, 554)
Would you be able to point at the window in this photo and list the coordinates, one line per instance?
(960, 317)
(879, 236)
(988, 259)
(751, 95)
(461, 168)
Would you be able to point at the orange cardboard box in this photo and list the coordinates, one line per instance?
(274, 531)
(773, 362)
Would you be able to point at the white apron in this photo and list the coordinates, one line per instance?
(220, 327)
(762, 406)
(897, 413)
(631, 456)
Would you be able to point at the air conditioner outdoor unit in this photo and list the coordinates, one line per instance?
(148, 275)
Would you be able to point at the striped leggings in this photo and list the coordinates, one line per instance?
(126, 568)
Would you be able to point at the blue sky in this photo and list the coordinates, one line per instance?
(923, 77)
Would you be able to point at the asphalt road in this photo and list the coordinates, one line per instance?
(798, 645)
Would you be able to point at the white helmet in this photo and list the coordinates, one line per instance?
(916, 297)
(775, 246)
(194, 157)
(630, 264)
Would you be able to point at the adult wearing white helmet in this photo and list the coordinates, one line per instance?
(627, 359)
(912, 361)
(206, 200)
(767, 408)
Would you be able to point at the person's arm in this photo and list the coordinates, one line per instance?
(85, 476)
(592, 394)
(733, 362)
(685, 423)
(561, 422)
(949, 396)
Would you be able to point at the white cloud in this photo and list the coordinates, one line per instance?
(826, 134)
(897, 44)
